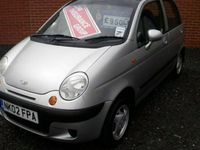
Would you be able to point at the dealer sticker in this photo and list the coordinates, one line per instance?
(120, 31)
(80, 21)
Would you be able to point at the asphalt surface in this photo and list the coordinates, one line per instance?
(168, 119)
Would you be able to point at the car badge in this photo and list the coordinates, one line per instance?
(23, 82)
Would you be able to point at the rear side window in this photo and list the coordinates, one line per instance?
(172, 14)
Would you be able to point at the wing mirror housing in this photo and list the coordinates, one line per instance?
(154, 35)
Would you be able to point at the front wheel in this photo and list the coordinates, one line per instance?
(116, 123)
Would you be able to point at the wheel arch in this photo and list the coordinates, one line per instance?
(128, 94)
(182, 52)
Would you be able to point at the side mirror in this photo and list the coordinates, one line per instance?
(154, 35)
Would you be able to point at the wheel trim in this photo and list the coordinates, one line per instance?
(179, 64)
(120, 122)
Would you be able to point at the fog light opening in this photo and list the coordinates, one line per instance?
(73, 133)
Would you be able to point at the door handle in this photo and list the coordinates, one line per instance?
(165, 41)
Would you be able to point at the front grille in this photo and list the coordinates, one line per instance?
(21, 95)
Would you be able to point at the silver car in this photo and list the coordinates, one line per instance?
(80, 76)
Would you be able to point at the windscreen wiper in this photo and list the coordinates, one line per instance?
(104, 38)
(57, 37)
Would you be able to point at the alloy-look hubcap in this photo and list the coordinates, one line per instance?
(179, 64)
(120, 122)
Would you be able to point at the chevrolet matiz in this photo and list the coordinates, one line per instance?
(81, 75)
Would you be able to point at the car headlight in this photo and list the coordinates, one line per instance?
(74, 86)
(3, 64)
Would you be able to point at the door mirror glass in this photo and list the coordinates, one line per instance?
(154, 35)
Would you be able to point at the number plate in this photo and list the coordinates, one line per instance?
(21, 112)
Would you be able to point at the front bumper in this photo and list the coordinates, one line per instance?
(59, 124)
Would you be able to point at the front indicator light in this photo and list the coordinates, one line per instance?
(53, 100)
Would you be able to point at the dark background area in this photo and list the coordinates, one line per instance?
(167, 119)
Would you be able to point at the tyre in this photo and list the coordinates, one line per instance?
(179, 65)
(116, 123)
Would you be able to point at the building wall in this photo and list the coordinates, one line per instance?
(20, 18)
(190, 12)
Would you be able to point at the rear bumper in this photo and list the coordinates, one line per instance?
(58, 124)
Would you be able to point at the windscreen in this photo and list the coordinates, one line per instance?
(85, 19)
(89, 23)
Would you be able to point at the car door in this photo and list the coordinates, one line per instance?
(152, 59)
(174, 29)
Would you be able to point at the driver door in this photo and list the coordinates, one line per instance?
(152, 59)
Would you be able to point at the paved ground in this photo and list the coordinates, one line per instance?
(168, 119)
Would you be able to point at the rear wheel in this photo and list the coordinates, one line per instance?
(116, 123)
(179, 65)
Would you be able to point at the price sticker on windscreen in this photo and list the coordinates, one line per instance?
(80, 21)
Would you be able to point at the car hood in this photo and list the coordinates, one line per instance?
(41, 68)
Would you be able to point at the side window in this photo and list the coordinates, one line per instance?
(151, 18)
(172, 13)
